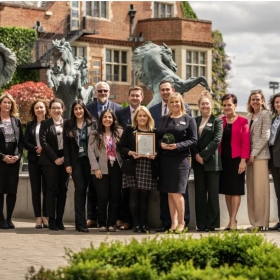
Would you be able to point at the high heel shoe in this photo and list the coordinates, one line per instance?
(3, 224)
(10, 223)
(60, 224)
(45, 222)
(82, 229)
(52, 224)
(38, 224)
(172, 228)
(180, 228)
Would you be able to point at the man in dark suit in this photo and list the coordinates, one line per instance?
(102, 91)
(157, 111)
(124, 116)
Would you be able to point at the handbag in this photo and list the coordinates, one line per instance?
(129, 166)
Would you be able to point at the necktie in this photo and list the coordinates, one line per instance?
(165, 110)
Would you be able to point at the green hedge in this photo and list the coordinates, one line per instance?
(221, 256)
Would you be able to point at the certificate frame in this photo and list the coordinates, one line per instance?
(145, 144)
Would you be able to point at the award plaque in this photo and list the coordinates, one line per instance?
(145, 144)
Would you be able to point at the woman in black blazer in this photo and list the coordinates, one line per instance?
(38, 112)
(76, 133)
(52, 159)
(206, 163)
(11, 146)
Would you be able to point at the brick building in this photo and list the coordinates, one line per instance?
(107, 32)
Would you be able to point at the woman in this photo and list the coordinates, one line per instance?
(257, 175)
(38, 112)
(140, 179)
(234, 150)
(105, 162)
(52, 159)
(11, 147)
(76, 133)
(206, 165)
(174, 157)
(274, 147)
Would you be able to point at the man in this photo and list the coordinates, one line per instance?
(124, 116)
(157, 111)
(102, 91)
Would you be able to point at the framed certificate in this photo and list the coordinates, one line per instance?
(145, 144)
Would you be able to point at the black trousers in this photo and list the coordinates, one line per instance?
(275, 171)
(38, 187)
(81, 177)
(91, 201)
(207, 209)
(125, 208)
(57, 184)
(108, 190)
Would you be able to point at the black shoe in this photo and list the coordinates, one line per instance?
(3, 224)
(276, 227)
(209, 229)
(137, 229)
(38, 226)
(163, 228)
(59, 224)
(10, 223)
(82, 229)
(145, 229)
(200, 229)
(52, 224)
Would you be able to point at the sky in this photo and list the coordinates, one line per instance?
(251, 32)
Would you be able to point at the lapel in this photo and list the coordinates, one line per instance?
(278, 128)
(210, 120)
(33, 129)
(15, 127)
(127, 115)
(2, 127)
(164, 122)
(53, 131)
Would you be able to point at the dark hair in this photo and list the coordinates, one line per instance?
(271, 103)
(58, 100)
(32, 112)
(70, 129)
(166, 81)
(229, 96)
(99, 133)
(135, 88)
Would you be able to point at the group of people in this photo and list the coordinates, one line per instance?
(97, 147)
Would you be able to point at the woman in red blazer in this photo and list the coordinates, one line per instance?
(235, 150)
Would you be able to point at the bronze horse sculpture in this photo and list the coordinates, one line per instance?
(64, 79)
(153, 63)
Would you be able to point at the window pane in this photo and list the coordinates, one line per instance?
(188, 71)
(202, 58)
(108, 72)
(75, 13)
(124, 73)
(96, 63)
(108, 56)
(116, 56)
(75, 4)
(75, 23)
(96, 76)
(88, 8)
(155, 10)
(168, 10)
(189, 57)
(202, 71)
(103, 9)
(74, 51)
(195, 57)
(80, 51)
(124, 57)
(195, 71)
(162, 6)
(116, 72)
(96, 9)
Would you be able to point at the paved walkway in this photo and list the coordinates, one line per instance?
(26, 246)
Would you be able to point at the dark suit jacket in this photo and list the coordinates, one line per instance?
(18, 135)
(71, 145)
(124, 117)
(48, 141)
(30, 140)
(156, 113)
(92, 107)
(208, 143)
(275, 149)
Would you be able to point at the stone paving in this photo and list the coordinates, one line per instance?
(26, 246)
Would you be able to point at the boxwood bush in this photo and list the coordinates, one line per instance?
(221, 256)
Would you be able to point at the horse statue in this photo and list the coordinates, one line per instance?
(7, 65)
(81, 65)
(64, 79)
(153, 63)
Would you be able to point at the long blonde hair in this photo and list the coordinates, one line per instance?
(14, 108)
(179, 96)
(150, 123)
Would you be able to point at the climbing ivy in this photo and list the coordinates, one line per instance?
(21, 42)
(188, 12)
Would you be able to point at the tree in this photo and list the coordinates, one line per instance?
(25, 93)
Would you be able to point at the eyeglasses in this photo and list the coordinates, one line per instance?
(256, 91)
(102, 90)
